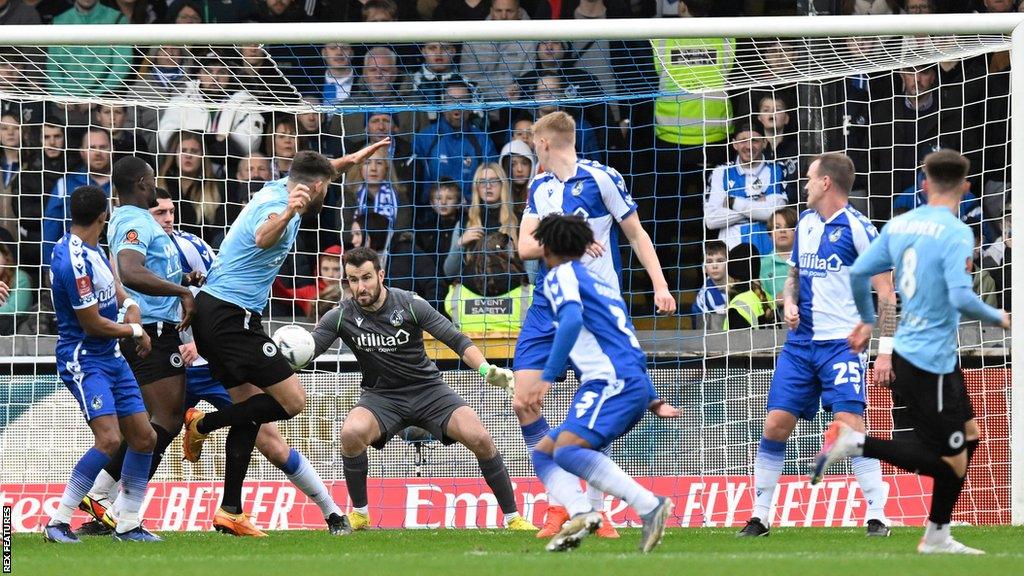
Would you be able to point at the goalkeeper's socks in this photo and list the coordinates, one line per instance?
(604, 474)
(910, 455)
(237, 454)
(260, 408)
(301, 473)
(869, 475)
(496, 475)
(560, 484)
(82, 477)
(134, 480)
(534, 432)
(771, 456)
(356, 469)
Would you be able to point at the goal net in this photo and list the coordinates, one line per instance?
(442, 204)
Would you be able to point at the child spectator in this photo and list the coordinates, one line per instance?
(436, 226)
(775, 266)
(318, 297)
(709, 307)
(20, 298)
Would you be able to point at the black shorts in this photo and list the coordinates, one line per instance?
(934, 406)
(428, 407)
(163, 361)
(233, 341)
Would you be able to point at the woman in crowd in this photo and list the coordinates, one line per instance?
(371, 188)
(281, 144)
(520, 163)
(491, 210)
(189, 175)
(20, 298)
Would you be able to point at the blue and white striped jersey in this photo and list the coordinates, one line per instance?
(607, 348)
(196, 256)
(597, 193)
(80, 277)
(823, 252)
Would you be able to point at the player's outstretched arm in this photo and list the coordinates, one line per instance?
(270, 231)
(642, 246)
(341, 165)
(327, 330)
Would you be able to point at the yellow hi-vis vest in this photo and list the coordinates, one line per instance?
(471, 312)
(694, 108)
(749, 307)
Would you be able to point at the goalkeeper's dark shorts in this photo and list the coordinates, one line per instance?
(429, 406)
(933, 407)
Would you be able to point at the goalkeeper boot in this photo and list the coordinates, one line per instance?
(755, 528)
(97, 508)
(840, 442)
(359, 520)
(607, 530)
(235, 524)
(654, 524)
(518, 523)
(877, 529)
(338, 525)
(192, 445)
(137, 534)
(574, 531)
(60, 533)
(556, 517)
(948, 546)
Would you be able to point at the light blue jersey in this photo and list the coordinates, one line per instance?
(607, 348)
(133, 228)
(244, 272)
(931, 250)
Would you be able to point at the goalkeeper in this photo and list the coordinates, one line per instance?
(401, 386)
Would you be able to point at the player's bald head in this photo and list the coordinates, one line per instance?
(129, 175)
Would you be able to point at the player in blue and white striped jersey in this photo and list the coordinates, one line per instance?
(744, 195)
(86, 297)
(595, 335)
(931, 250)
(816, 368)
(598, 194)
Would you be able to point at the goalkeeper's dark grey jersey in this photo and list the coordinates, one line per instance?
(388, 343)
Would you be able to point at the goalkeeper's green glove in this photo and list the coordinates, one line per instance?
(499, 377)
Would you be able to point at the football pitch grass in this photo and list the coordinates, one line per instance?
(789, 551)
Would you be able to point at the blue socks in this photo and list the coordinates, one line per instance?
(82, 477)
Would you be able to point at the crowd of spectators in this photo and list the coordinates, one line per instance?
(716, 173)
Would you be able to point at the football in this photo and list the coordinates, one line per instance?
(296, 344)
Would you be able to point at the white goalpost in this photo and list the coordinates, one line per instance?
(802, 67)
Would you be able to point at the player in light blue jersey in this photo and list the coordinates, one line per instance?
(816, 368)
(931, 250)
(147, 265)
(86, 298)
(228, 330)
(198, 256)
(598, 194)
(595, 334)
